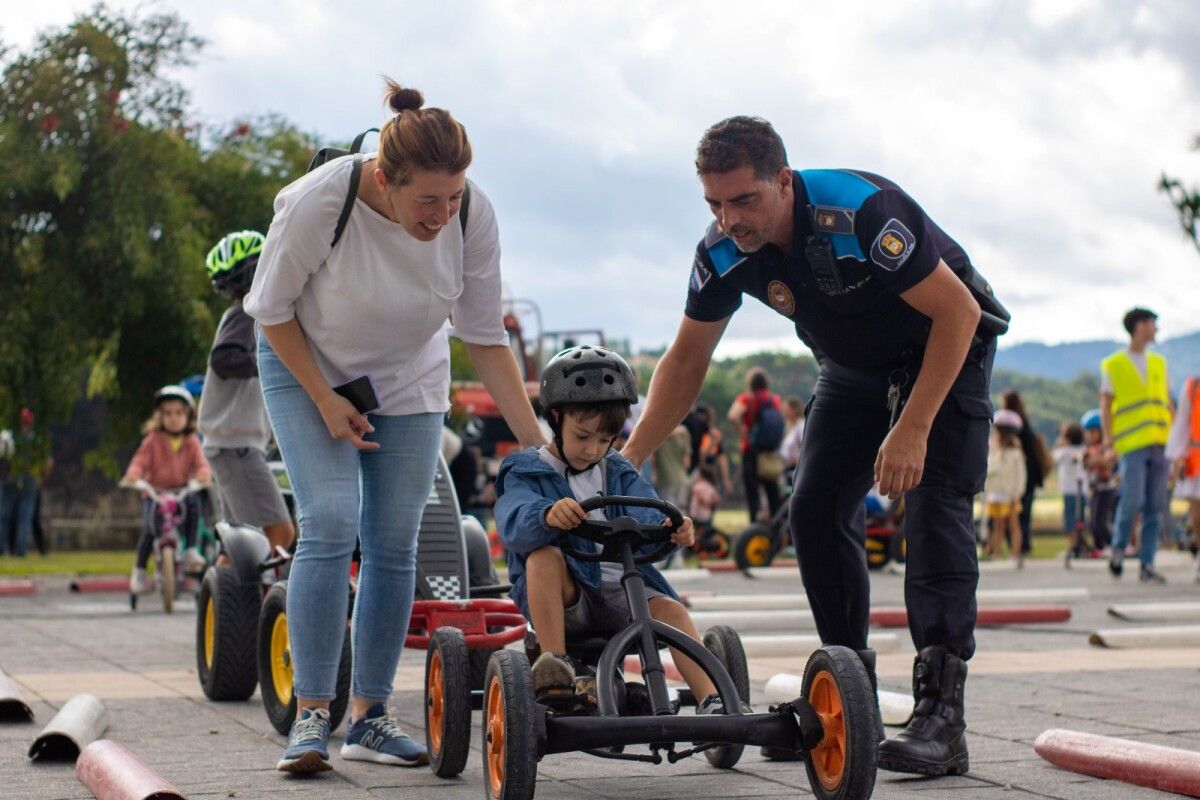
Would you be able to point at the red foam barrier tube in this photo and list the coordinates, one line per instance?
(897, 617)
(17, 588)
(100, 585)
(1165, 768)
(111, 772)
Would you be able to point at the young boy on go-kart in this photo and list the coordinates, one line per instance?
(587, 392)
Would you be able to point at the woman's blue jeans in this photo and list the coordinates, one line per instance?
(343, 495)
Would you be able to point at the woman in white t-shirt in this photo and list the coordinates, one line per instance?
(378, 305)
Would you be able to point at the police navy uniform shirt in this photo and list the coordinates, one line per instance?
(884, 244)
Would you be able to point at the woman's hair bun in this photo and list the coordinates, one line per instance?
(400, 99)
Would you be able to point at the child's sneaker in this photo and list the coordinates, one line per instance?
(713, 705)
(140, 582)
(376, 737)
(308, 741)
(551, 672)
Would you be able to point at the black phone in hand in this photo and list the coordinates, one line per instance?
(361, 394)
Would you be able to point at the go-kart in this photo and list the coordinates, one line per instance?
(242, 635)
(832, 724)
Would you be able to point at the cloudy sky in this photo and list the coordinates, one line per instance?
(1033, 131)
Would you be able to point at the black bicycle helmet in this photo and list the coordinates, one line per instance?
(584, 375)
(587, 374)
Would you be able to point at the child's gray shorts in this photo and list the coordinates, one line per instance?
(603, 610)
(247, 486)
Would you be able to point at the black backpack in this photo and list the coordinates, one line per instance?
(326, 154)
(767, 433)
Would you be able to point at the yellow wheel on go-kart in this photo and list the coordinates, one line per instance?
(210, 623)
(276, 668)
(281, 659)
(755, 547)
(842, 765)
(877, 552)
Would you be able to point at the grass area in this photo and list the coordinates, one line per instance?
(68, 562)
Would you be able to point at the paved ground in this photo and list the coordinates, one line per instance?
(1022, 682)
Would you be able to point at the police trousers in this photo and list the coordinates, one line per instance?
(847, 422)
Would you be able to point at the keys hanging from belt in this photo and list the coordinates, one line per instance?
(897, 380)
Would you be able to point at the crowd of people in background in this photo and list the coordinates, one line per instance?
(25, 463)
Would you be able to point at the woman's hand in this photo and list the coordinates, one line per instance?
(566, 514)
(685, 535)
(343, 421)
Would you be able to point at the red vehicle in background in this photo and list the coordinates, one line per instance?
(533, 347)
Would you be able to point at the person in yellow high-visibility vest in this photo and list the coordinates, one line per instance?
(1135, 411)
(1183, 450)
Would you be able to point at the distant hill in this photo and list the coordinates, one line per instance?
(1066, 361)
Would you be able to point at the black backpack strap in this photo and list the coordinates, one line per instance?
(462, 209)
(348, 206)
(358, 140)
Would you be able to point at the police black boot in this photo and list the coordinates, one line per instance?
(935, 742)
(868, 660)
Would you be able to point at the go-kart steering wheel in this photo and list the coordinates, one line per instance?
(610, 533)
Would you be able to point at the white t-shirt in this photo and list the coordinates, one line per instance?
(378, 304)
(584, 485)
(1072, 476)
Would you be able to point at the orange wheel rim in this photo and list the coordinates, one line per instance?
(436, 708)
(495, 738)
(757, 549)
(829, 757)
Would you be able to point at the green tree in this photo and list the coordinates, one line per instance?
(1186, 201)
(111, 204)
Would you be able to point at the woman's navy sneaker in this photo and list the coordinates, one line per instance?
(307, 749)
(376, 737)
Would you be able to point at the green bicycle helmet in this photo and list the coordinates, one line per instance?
(232, 260)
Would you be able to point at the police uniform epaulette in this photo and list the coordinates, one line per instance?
(834, 198)
(722, 251)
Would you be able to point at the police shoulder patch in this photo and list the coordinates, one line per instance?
(701, 274)
(893, 245)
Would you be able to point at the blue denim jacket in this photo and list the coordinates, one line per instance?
(527, 486)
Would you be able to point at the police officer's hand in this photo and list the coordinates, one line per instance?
(343, 421)
(901, 460)
(565, 514)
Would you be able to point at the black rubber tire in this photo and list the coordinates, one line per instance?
(233, 673)
(755, 533)
(283, 714)
(724, 643)
(479, 661)
(449, 648)
(510, 672)
(339, 704)
(166, 578)
(860, 719)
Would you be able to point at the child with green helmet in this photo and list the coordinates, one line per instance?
(233, 419)
(587, 393)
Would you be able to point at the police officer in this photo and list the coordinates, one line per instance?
(891, 307)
